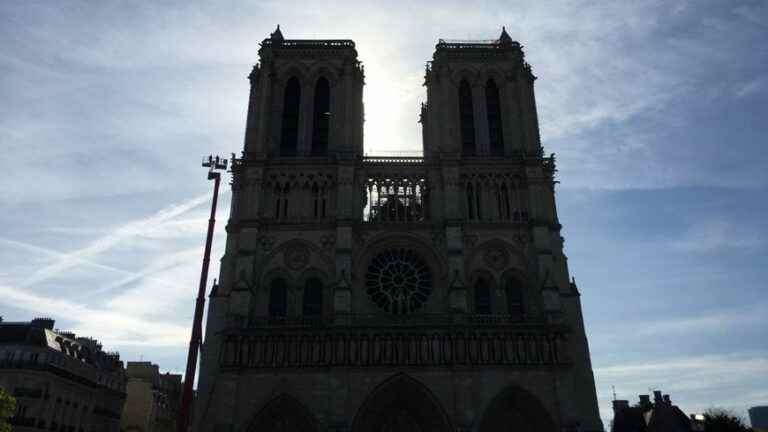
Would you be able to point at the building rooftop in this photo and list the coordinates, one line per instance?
(40, 333)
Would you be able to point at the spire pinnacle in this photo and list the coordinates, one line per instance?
(277, 35)
(504, 39)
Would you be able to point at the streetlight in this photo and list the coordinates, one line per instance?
(213, 164)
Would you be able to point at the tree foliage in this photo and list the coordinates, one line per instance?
(7, 409)
(718, 420)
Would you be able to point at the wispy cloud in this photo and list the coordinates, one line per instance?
(713, 235)
(157, 272)
(118, 235)
(752, 87)
(722, 321)
(59, 256)
(113, 101)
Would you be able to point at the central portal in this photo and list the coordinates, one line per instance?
(401, 404)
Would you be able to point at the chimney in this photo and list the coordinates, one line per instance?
(619, 405)
(645, 402)
(657, 397)
(667, 400)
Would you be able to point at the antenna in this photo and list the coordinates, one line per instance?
(614, 392)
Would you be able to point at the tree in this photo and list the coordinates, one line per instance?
(7, 408)
(719, 420)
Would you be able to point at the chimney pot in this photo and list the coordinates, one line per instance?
(619, 405)
(657, 396)
(645, 401)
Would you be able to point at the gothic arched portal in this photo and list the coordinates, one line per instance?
(401, 404)
(516, 410)
(283, 414)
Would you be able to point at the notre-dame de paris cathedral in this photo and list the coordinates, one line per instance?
(379, 294)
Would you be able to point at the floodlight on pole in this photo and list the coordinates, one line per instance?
(214, 164)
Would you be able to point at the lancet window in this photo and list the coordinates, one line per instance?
(313, 297)
(515, 305)
(278, 298)
(319, 201)
(281, 193)
(482, 297)
(321, 118)
(495, 199)
(474, 201)
(470, 201)
(390, 199)
(493, 108)
(466, 118)
(290, 125)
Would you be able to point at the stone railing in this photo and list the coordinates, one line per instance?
(404, 160)
(310, 43)
(394, 190)
(366, 320)
(357, 343)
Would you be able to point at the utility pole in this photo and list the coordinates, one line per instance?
(182, 424)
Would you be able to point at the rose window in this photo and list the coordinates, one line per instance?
(399, 281)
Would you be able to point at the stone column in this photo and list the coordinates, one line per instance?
(252, 120)
(262, 136)
(530, 121)
(346, 203)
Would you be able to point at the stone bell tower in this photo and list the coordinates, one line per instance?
(364, 293)
(306, 100)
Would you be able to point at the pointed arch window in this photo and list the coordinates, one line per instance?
(515, 305)
(278, 193)
(482, 297)
(493, 107)
(313, 297)
(478, 201)
(505, 208)
(278, 298)
(470, 201)
(316, 200)
(467, 119)
(321, 118)
(290, 126)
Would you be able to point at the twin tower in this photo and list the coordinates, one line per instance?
(415, 294)
(307, 101)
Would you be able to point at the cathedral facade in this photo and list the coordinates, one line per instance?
(361, 293)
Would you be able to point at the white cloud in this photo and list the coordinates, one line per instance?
(717, 235)
(695, 383)
(113, 328)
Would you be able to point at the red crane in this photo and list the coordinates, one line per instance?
(213, 164)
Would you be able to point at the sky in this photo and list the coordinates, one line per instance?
(656, 111)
